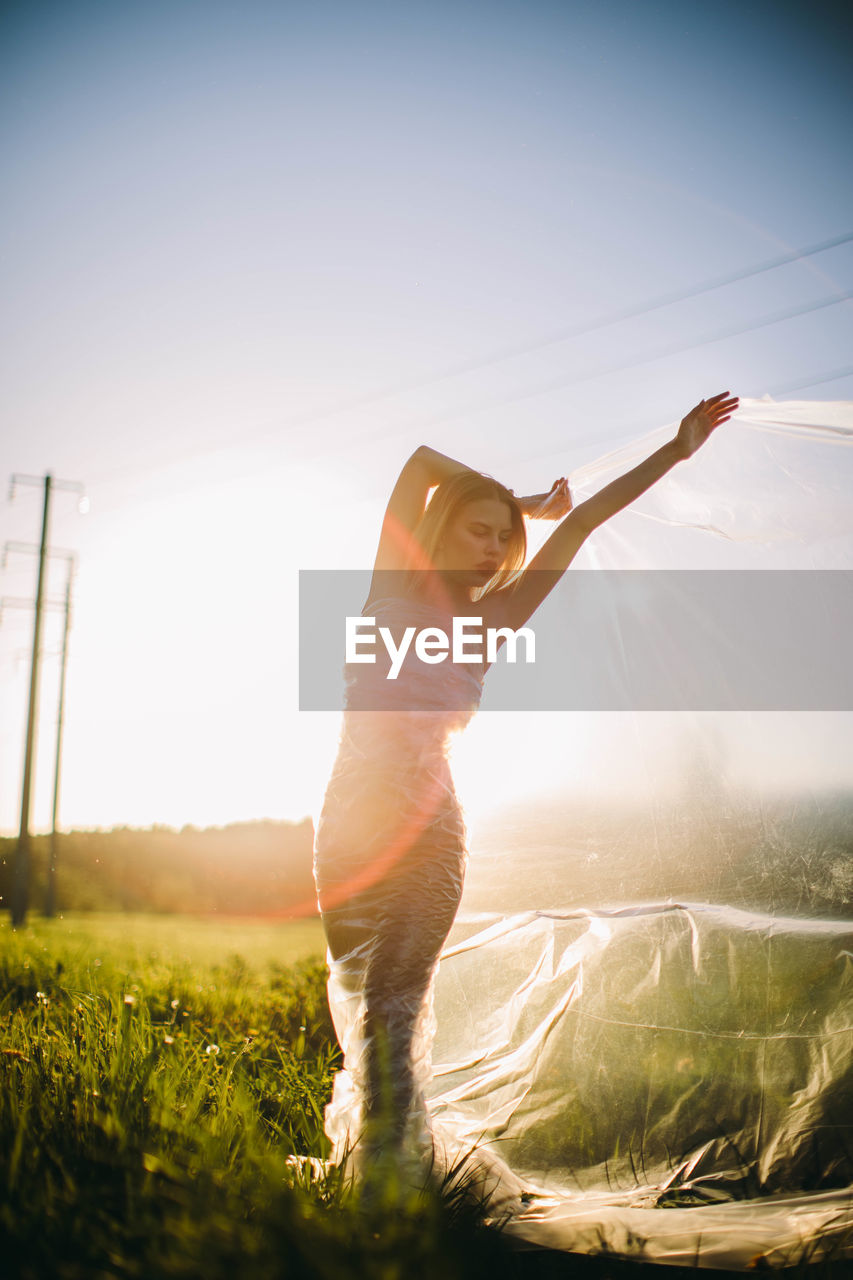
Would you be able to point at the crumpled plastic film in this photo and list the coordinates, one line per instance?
(666, 1079)
(663, 1078)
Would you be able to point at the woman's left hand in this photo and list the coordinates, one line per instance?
(701, 421)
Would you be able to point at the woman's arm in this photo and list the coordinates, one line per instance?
(421, 472)
(425, 469)
(555, 556)
(692, 433)
(437, 466)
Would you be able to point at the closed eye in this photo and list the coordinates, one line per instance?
(484, 528)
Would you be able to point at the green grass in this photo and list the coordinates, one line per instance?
(155, 1077)
(149, 941)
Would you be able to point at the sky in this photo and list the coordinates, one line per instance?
(255, 253)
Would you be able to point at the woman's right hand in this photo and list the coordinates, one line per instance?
(553, 505)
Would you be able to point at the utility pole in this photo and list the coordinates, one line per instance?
(5, 602)
(21, 884)
(50, 902)
(12, 602)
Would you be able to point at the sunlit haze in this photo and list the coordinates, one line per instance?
(257, 253)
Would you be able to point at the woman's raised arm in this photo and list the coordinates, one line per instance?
(425, 469)
(515, 604)
(421, 472)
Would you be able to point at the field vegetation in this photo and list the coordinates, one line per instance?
(162, 1086)
(161, 1114)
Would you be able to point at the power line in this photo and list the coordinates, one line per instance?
(721, 335)
(574, 379)
(500, 354)
(519, 349)
(557, 384)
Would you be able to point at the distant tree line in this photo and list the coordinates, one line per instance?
(252, 868)
(791, 855)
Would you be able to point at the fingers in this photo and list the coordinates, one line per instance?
(724, 401)
(557, 501)
(718, 409)
(723, 411)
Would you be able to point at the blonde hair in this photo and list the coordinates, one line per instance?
(445, 505)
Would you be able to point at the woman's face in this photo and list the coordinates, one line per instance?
(475, 543)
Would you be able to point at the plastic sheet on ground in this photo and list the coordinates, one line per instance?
(640, 1036)
(671, 1079)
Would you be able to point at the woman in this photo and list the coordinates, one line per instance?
(390, 847)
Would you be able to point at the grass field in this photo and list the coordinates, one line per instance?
(145, 942)
(157, 1074)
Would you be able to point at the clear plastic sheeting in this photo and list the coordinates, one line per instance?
(668, 1080)
(639, 1040)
